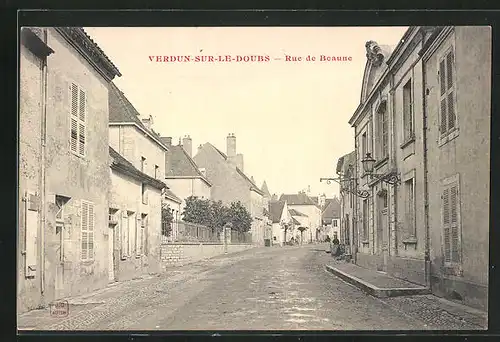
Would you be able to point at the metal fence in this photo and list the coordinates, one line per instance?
(181, 231)
(237, 237)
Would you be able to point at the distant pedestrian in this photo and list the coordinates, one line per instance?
(327, 239)
(336, 241)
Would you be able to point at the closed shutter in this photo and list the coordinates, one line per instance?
(447, 93)
(84, 230)
(455, 234)
(74, 118)
(91, 232)
(446, 225)
(123, 235)
(443, 99)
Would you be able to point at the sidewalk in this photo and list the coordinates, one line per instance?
(375, 283)
(410, 299)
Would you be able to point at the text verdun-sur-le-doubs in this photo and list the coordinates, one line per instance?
(245, 58)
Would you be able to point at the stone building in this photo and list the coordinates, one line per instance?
(231, 184)
(305, 205)
(134, 220)
(182, 174)
(348, 228)
(64, 176)
(413, 104)
(138, 173)
(457, 114)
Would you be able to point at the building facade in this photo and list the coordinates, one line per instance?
(457, 83)
(305, 205)
(64, 175)
(230, 184)
(134, 220)
(428, 160)
(348, 232)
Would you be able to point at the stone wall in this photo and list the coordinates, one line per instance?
(178, 254)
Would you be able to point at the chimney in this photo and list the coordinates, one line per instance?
(187, 144)
(200, 147)
(231, 145)
(238, 161)
(167, 141)
(148, 122)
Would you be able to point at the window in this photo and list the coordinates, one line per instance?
(87, 230)
(383, 131)
(347, 230)
(143, 164)
(144, 192)
(408, 120)
(410, 207)
(450, 201)
(157, 172)
(78, 117)
(365, 220)
(447, 93)
(60, 212)
(335, 223)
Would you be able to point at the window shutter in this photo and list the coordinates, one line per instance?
(442, 84)
(84, 230)
(83, 114)
(455, 238)
(449, 70)
(123, 235)
(74, 118)
(446, 225)
(442, 77)
(91, 232)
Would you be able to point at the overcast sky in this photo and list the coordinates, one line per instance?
(290, 118)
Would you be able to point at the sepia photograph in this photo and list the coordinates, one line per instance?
(253, 178)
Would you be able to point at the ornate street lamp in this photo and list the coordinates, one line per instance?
(390, 178)
(345, 185)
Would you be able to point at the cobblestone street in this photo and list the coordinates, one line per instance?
(264, 288)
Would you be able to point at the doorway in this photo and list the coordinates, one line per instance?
(382, 232)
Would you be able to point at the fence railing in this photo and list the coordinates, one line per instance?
(181, 231)
(237, 237)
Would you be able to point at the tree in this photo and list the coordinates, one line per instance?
(166, 218)
(301, 230)
(219, 216)
(239, 216)
(197, 211)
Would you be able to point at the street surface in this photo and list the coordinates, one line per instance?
(259, 289)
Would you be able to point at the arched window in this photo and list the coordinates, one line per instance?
(383, 130)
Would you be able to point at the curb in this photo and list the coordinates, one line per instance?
(374, 290)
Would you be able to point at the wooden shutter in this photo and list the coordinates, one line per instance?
(123, 235)
(85, 231)
(90, 231)
(454, 224)
(446, 225)
(74, 118)
(82, 128)
(443, 99)
(450, 90)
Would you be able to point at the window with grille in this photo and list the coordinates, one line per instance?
(87, 231)
(447, 117)
(450, 202)
(78, 116)
(408, 120)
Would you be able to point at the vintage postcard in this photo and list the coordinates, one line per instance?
(254, 178)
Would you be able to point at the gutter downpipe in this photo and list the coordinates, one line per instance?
(43, 206)
(427, 263)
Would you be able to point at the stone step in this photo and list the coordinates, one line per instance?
(375, 283)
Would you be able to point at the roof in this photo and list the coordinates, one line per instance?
(314, 199)
(295, 221)
(346, 161)
(169, 194)
(332, 209)
(90, 50)
(252, 185)
(297, 199)
(294, 212)
(265, 190)
(275, 210)
(121, 164)
(182, 165)
(122, 111)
